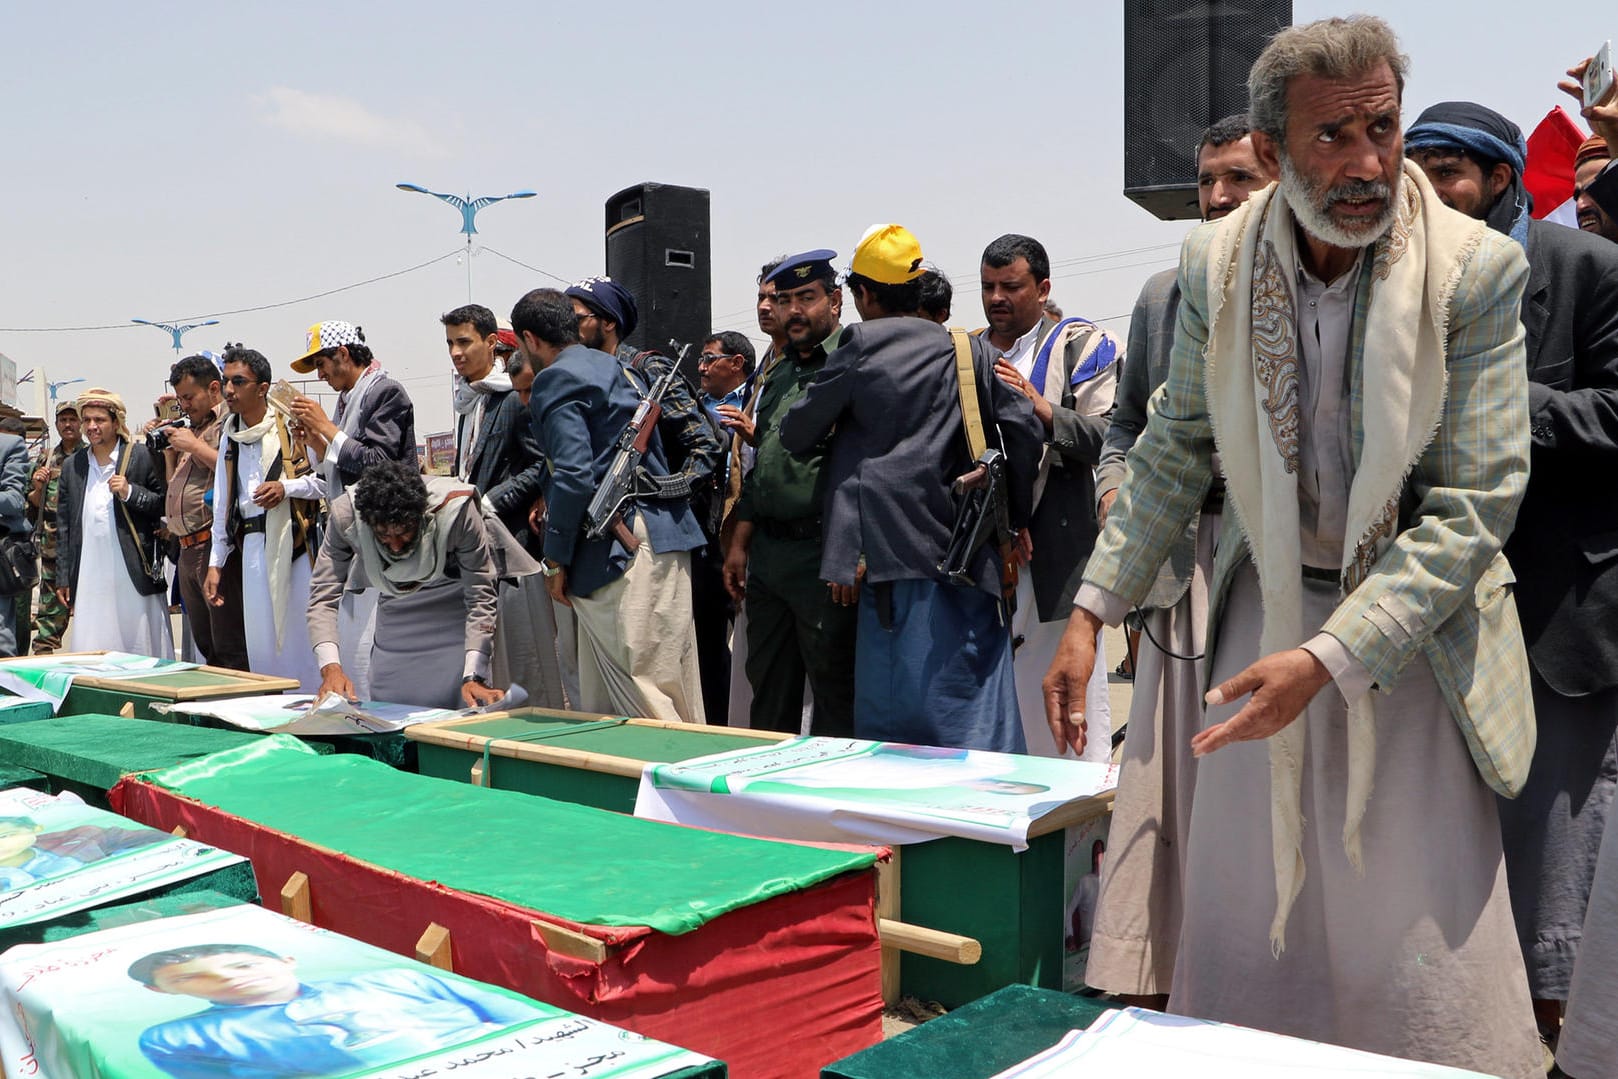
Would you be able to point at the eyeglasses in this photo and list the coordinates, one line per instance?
(706, 358)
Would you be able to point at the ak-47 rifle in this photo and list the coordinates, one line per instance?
(605, 515)
(982, 515)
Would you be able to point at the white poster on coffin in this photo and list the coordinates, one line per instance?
(1151, 1045)
(850, 790)
(304, 714)
(248, 994)
(58, 855)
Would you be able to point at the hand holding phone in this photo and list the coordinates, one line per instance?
(1597, 79)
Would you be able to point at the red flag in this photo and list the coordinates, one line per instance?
(1549, 173)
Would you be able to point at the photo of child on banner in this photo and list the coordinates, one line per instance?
(58, 855)
(245, 993)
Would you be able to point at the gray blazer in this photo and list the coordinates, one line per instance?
(1564, 549)
(889, 397)
(1146, 367)
(386, 431)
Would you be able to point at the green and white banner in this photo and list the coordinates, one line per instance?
(58, 855)
(48, 678)
(245, 993)
(848, 790)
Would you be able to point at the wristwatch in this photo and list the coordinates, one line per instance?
(550, 567)
(478, 678)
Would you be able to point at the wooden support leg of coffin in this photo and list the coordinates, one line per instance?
(433, 947)
(295, 899)
(887, 909)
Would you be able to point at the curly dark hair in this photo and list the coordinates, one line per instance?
(391, 494)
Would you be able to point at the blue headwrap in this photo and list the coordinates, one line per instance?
(1489, 138)
(608, 298)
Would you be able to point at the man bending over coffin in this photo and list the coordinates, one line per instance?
(423, 542)
(262, 1021)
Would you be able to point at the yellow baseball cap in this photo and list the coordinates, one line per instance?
(888, 255)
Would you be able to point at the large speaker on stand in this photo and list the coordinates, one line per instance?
(1185, 66)
(658, 248)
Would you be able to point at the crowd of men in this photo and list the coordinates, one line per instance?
(1370, 753)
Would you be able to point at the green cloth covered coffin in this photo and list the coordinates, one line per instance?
(975, 1042)
(1012, 903)
(88, 754)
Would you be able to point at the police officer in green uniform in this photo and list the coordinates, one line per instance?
(50, 622)
(797, 625)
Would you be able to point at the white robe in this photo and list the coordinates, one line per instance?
(111, 614)
(292, 656)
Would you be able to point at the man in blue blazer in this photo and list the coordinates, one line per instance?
(637, 645)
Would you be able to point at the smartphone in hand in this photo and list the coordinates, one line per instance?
(1598, 76)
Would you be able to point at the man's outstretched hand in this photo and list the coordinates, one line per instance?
(1281, 684)
(1065, 682)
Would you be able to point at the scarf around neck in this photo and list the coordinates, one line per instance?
(265, 434)
(423, 563)
(1252, 384)
(1091, 394)
(471, 401)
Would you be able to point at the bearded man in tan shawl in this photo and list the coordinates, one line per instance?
(1350, 348)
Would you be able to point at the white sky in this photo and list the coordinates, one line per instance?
(168, 159)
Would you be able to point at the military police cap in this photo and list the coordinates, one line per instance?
(797, 270)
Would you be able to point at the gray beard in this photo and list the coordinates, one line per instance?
(1310, 207)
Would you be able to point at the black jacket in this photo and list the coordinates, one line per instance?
(889, 397)
(506, 466)
(1564, 549)
(145, 504)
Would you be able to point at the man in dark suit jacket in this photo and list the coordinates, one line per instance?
(1067, 370)
(495, 448)
(374, 421)
(631, 600)
(495, 451)
(117, 619)
(14, 468)
(1564, 549)
(932, 659)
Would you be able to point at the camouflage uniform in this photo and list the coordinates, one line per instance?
(51, 620)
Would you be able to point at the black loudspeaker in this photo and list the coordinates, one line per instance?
(657, 248)
(1185, 66)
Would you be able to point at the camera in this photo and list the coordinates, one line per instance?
(157, 439)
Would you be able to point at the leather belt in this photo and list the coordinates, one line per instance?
(250, 525)
(196, 539)
(1316, 573)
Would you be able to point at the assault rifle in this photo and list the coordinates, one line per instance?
(605, 515)
(982, 515)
